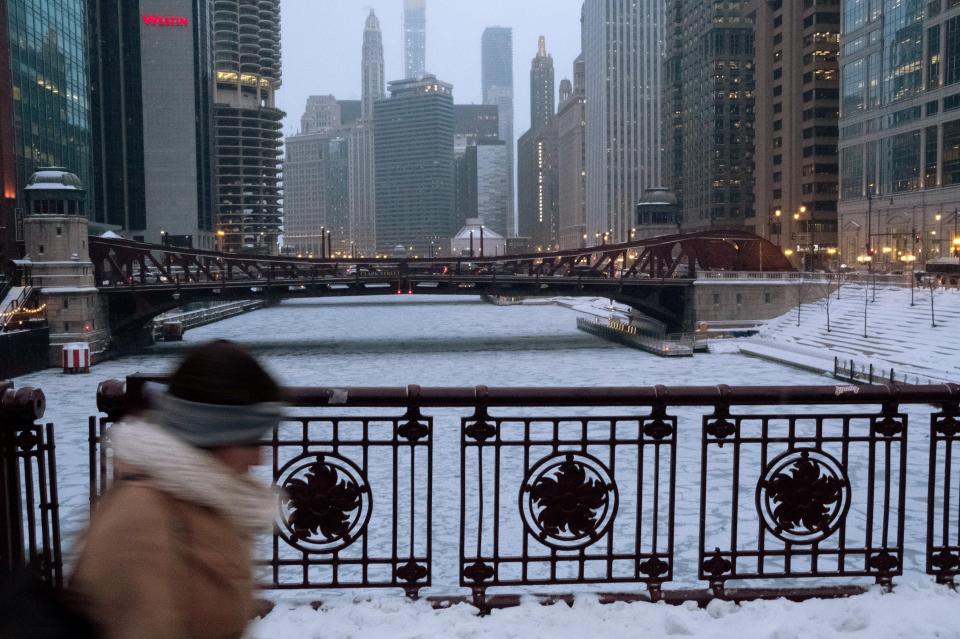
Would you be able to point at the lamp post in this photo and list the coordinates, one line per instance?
(956, 237)
(471, 244)
(323, 242)
(911, 260)
(870, 227)
(583, 242)
(220, 235)
(481, 240)
(778, 214)
(939, 218)
(329, 240)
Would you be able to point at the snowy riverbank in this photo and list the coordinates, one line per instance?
(887, 333)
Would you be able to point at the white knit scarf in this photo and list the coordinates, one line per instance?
(194, 475)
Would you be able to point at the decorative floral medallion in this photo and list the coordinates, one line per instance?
(568, 500)
(803, 496)
(326, 503)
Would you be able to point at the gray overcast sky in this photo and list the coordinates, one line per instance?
(322, 42)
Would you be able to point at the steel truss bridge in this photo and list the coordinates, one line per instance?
(654, 276)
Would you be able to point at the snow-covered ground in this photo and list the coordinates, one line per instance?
(914, 611)
(464, 342)
(898, 335)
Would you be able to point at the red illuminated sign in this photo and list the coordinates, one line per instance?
(165, 21)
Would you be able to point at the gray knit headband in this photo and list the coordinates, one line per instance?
(211, 425)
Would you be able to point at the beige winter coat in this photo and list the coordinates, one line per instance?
(161, 558)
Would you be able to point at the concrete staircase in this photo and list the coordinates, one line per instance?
(898, 335)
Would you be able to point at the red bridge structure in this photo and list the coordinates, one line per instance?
(654, 276)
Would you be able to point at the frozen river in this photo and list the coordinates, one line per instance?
(440, 342)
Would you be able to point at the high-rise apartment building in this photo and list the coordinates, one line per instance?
(47, 93)
(542, 88)
(153, 171)
(497, 78)
(796, 139)
(571, 160)
(248, 124)
(899, 131)
(709, 121)
(414, 38)
(623, 58)
(414, 127)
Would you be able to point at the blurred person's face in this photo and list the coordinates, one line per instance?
(239, 458)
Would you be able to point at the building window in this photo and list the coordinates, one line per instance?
(951, 153)
(933, 57)
(901, 162)
(739, 299)
(716, 299)
(40, 249)
(59, 231)
(766, 298)
(931, 157)
(66, 302)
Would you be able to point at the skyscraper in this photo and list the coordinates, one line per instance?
(798, 81)
(153, 175)
(497, 74)
(248, 124)
(362, 165)
(537, 181)
(415, 179)
(710, 123)
(323, 113)
(46, 46)
(538, 187)
(372, 66)
(414, 38)
(571, 160)
(8, 171)
(542, 100)
(899, 131)
(623, 58)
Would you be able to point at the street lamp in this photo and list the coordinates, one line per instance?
(481, 240)
(220, 235)
(777, 214)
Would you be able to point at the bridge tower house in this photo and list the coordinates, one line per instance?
(55, 237)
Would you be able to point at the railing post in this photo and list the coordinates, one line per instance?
(18, 410)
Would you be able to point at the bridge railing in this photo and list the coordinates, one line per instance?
(29, 515)
(799, 276)
(791, 487)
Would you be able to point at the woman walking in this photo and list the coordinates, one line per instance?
(169, 549)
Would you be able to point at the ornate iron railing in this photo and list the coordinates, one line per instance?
(793, 484)
(29, 515)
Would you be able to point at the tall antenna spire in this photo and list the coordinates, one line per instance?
(542, 50)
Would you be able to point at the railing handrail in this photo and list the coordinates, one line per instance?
(116, 397)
